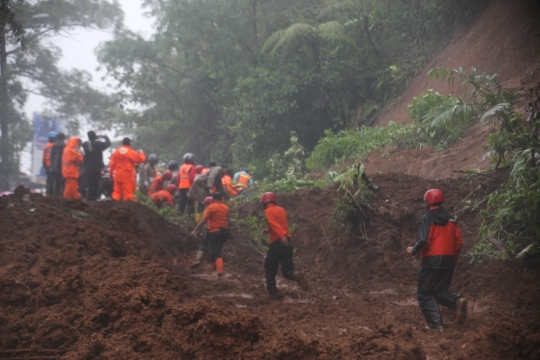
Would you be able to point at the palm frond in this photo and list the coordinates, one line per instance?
(497, 110)
(446, 114)
(294, 33)
(333, 31)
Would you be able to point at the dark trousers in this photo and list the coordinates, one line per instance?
(105, 187)
(278, 253)
(58, 185)
(50, 183)
(216, 244)
(185, 201)
(93, 178)
(433, 285)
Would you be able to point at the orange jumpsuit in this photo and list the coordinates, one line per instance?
(162, 196)
(157, 185)
(71, 160)
(122, 168)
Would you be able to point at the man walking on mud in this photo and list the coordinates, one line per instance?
(439, 243)
(280, 249)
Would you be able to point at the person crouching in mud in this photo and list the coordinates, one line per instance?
(439, 243)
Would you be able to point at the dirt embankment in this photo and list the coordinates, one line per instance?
(111, 281)
(504, 39)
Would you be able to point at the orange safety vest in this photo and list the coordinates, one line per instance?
(243, 180)
(183, 176)
(47, 154)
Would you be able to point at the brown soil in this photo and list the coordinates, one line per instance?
(111, 281)
(504, 39)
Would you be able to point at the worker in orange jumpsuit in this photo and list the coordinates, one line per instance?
(164, 197)
(157, 184)
(280, 249)
(216, 216)
(47, 150)
(227, 184)
(186, 175)
(122, 169)
(207, 201)
(439, 244)
(72, 158)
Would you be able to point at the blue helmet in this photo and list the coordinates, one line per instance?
(52, 136)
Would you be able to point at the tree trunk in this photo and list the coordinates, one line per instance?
(370, 40)
(5, 165)
(255, 31)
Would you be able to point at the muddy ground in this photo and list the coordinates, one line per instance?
(112, 281)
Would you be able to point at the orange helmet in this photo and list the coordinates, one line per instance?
(167, 175)
(199, 169)
(208, 200)
(172, 188)
(434, 196)
(268, 197)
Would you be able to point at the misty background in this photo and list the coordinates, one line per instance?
(78, 51)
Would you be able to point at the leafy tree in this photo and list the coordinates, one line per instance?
(27, 55)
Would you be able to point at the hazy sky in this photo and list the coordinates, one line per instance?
(78, 52)
(78, 48)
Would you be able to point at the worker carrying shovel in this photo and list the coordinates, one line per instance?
(439, 243)
(280, 249)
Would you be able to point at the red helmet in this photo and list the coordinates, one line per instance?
(167, 175)
(171, 188)
(268, 197)
(199, 169)
(434, 196)
(208, 200)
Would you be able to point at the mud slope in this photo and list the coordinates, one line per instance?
(111, 281)
(505, 38)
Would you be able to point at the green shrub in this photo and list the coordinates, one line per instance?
(355, 144)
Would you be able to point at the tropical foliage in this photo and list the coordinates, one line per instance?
(230, 80)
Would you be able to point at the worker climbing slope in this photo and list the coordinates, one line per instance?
(439, 243)
(164, 198)
(159, 181)
(216, 216)
(122, 169)
(186, 177)
(280, 250)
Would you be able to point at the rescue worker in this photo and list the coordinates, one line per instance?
(227, 183)
(242, 181)
(186, 176)
(122, 170)
(93, 162)
(216, 216)
(159, 181)
(204, 183)
(148, 173)
(164, 197)
(56, 164)
(280, 249)
(47, 151)
(439, 243)
(72, 158)
(208, 201)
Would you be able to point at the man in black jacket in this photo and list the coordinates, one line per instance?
(56, 164)
(93, 162)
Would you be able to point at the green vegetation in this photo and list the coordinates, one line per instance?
(231, 80)
(510, 221)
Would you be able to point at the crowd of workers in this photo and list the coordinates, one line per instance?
(201, 191)
(76, 170)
